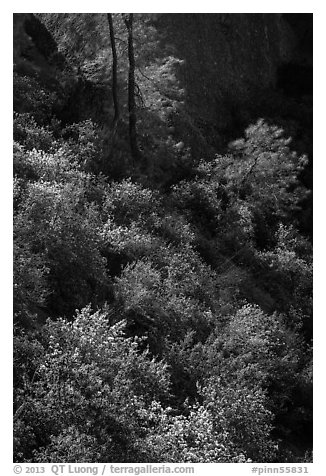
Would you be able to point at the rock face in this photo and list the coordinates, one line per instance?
(35, 50)
(227, 57)
(296, 76)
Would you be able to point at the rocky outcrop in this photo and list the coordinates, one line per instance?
(35, 51)
(227, 57)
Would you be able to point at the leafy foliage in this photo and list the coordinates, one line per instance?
(163, 309)
(103, 386)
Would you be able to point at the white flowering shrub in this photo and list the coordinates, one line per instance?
(91, 381)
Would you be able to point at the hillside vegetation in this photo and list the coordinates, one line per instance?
(162, 239)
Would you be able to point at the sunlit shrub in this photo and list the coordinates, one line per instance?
(55, 221)
(31, 135)
(31, 97)
(91, 381)
(127, 201)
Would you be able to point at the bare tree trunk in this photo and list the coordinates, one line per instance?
(114, 73)
(131, 89)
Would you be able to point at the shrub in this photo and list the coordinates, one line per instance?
(93, 383)
(31, 135)
(127, 201)
(31, 97)
(231, 425)
(56, 222)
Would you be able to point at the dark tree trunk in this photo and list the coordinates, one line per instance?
(114, 73)
(131, 88)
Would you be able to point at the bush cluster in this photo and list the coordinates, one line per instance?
(157, 325)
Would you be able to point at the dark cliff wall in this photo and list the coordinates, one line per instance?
(228, 57)
(295, 77)
(35, 50)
